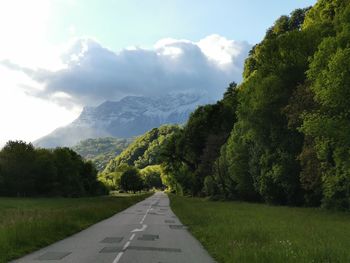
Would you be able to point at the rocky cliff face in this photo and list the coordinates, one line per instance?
(131, 116)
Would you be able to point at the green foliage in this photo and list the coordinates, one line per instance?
(266, 153)
(101, 150)
(328, 125)
(144, 150)
(131, 180)
(112, 180)
(152, 176)
(17, 169)
(190, 153)
(26, 171)
(261, 153)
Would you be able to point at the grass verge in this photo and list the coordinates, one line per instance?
(27, 224)
(244, 232)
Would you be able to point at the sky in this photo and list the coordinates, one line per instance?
(57, 56)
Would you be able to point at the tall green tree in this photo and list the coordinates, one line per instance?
(131, 180)
(328, 125)
(190, 153)
(16, 161)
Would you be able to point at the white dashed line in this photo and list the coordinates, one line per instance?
(119, 256)
(143, 228)
(132, 237)
(126, 245)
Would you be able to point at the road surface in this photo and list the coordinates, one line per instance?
(148, 232)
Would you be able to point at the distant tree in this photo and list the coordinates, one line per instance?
(152, 177)
(69, 167)
(112, 179)
(2, 180)
(131, 180)
(45, 173)
(90, 183)
(16, 161)
(26, 171)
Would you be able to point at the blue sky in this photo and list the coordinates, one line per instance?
(57, 56)
(121, 23)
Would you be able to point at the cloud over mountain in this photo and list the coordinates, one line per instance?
(93, 73)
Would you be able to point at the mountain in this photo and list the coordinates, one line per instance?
(129, 117)
(101, 150)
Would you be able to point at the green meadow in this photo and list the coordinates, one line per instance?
(247, 233)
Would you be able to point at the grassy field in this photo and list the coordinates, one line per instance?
(244, 232)
(27, 224)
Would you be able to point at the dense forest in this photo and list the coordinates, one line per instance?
(26, 171)
(144, 150)
(283, 135)
(101, 150)
(141, 161)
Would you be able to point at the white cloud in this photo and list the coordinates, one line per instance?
(25, 117)
(222, 50)
(93, 73)
(38, 95)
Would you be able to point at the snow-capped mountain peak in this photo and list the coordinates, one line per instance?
(128, 117)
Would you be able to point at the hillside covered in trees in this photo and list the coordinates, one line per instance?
(283, 135)
(139, 162)
(101, 150)
(144, 150)
(27, 171)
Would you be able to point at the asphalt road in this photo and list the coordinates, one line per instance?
(148, 232)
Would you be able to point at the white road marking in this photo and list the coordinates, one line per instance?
(144, 217)
(119, 256)
(143, 228)
(126, 245)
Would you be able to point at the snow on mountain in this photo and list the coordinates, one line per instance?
(131, 116)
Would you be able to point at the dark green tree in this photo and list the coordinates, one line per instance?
(131, 180)
(152, 177)
(46, 173)
(16, 161)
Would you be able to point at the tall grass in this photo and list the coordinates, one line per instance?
(27, 224)
(245, 232)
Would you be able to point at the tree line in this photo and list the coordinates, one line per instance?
(131, 179)
(283, 135)
(27, 171)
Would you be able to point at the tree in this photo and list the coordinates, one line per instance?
(46, 173)
(26, 171)
(152, 176)
(144, 150)
(16, 161)
(131, 180)
(327, 127)
(194, 149)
